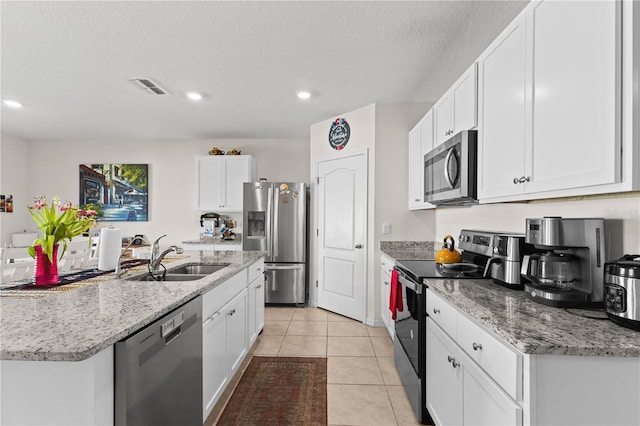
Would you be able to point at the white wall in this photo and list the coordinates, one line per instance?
(54, 171)
(381, 130)
(622, 213)
(15, 174)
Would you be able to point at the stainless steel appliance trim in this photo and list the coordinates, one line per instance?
(450, 154)
(269, 224)
(631, 287)
(406, 281)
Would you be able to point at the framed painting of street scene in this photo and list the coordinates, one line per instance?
(118, 192)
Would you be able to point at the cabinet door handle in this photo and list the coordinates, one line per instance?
(386, 283)
(436, 310)
(524, 179)
(453, 361)
(417, 200)
(233, 311)
(516, 180)
(259, 287)
(477, 346)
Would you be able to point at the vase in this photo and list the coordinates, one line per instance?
(46, 271)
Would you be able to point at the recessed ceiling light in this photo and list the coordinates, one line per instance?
(303, 94)
(12, 104)
(194, 96)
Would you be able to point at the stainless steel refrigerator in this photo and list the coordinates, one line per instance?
(275, 221)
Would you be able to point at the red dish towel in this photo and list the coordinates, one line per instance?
(395, 296)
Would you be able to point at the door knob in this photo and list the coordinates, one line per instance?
(358, 246)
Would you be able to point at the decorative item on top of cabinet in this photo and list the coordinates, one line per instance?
(457, 109)
(570, 81)
(220, 179)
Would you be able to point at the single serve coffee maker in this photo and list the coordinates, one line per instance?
(570, 271)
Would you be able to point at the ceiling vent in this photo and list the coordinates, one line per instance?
(148, 86)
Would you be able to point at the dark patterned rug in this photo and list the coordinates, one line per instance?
(279, 391)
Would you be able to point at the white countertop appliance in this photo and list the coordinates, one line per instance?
(622, 291)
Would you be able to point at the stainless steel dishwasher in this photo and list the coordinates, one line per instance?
(158, 371)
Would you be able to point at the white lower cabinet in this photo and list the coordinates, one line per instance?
(256, 301)
(215, 378)
(233, 316)
(459, 392)
(236, 342)
(386, 266)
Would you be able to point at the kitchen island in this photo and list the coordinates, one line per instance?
(57, 351)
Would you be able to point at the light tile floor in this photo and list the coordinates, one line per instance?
(363, 387)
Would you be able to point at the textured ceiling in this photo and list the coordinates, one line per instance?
(67, 62)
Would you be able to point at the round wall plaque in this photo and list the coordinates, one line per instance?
(339, 134)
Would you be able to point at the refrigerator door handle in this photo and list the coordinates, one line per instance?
(268, 267)
(269, 223)
(274, 199)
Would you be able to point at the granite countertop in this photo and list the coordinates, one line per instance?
(531, 327)
(75, 324)
(408, 250)
(534, 328)
(215, 240)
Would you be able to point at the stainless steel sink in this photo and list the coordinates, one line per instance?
(199, 268)
(171, 277)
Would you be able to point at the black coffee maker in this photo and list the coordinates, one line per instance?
(210, 222)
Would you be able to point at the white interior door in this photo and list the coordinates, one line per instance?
(342, 223)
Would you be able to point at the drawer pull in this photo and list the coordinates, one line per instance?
(386, 283)
(436, 310)
(476, 346)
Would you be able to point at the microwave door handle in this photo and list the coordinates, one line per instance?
(447, 159)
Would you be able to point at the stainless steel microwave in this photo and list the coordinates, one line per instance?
(450, 171)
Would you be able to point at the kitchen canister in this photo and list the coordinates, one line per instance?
(109, 248)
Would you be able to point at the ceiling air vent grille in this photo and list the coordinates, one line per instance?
(148, 86)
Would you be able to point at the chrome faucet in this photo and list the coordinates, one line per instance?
(156, 258)
(118, 270)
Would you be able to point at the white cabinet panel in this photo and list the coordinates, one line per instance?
(416, 172)
(576, 78)
(457, 109)
(214, 374)
(420, 143)
(465, 101)
(386, 266)
(442, 122)
(444, 379)
(220, 179)
(236, 313)
(502, 363)
(485, 404)
(442, 313)
(502, 88)
(550, 103)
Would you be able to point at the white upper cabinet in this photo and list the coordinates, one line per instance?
(576, 82)
(550, 102)
(502, 89)
(220, 179)
(420, 143)
(457, 109)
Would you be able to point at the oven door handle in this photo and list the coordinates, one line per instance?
(407, 282)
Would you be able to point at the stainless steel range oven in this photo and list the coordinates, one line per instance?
(410, 343)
